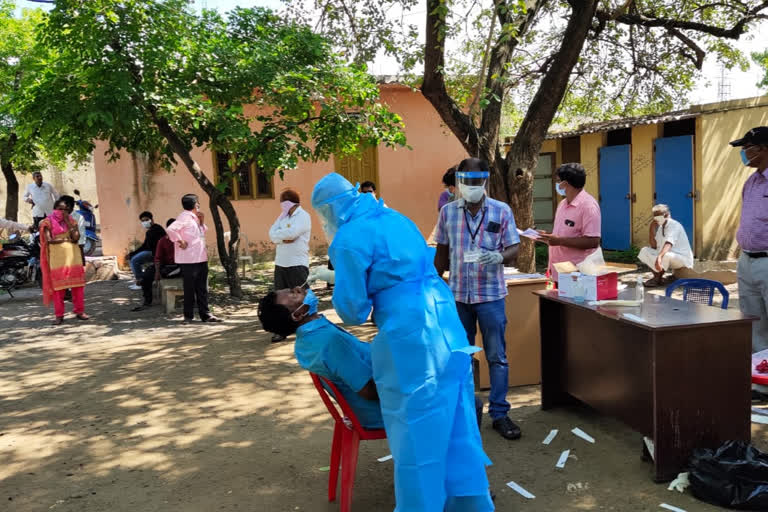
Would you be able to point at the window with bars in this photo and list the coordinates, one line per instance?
(244, 181)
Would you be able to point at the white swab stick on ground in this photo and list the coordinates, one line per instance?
(563, 457)
(550, 436)
(384, 459)
(670, 507)
(520, 490)
(580, 433)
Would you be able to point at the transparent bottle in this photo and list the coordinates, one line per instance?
(578, 287)
(640, 289)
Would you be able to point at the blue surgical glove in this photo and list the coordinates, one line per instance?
(490, 258)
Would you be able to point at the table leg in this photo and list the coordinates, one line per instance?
(552, 353)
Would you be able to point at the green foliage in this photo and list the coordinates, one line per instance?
(249, 83)
(19, 62)
(762, 60)
(628, 256)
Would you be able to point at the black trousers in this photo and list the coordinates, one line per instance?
(166, 271)
(195, 276)
(288, 277)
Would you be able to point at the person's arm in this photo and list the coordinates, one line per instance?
(652, 234)
(442, 259)
(369, 391)
(12, 226)
(174, 232)
(302, 224)
(74, 231)
(575, 242)
(28, 196)
(664, 250)
(510, 238)
(54, 194)
(510, 254)
(351, 263)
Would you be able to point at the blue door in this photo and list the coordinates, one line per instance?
(615, 197)
(674, 178)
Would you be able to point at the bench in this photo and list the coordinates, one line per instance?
(169, 290)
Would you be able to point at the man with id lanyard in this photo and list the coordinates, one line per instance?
(476, 236)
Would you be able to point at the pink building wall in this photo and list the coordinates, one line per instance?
(409, 181)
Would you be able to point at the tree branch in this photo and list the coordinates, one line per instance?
(698, 59)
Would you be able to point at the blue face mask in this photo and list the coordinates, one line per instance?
(311, 300)
(745, 158)
(559, 188)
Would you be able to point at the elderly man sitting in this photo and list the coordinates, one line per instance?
(669, 248)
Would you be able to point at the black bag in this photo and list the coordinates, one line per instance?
(734, 476)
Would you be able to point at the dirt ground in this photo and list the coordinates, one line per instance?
(136, 412)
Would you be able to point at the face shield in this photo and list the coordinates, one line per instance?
(332, 199)
(472, 185)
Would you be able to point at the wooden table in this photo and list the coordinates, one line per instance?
(679, 373)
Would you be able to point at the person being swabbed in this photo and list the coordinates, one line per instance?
(421, 357)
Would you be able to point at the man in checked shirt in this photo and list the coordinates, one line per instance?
(753, 234)
(476, 236)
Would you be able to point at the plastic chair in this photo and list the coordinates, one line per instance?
(700, 291)
(347, 434)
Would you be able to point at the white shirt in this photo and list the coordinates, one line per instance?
(295, 227)
(674, 233)
(44, 197)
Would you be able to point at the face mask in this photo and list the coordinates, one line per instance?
(744, 158)
(659, 219)
(58, 214)
(472, 193)
(559, 189)
(310, 299)
(286, 206)
(146, 224)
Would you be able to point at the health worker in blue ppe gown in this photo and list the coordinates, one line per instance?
(421, 357)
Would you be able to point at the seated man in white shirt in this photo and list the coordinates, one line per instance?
(669, 248)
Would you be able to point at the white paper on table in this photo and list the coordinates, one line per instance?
(384, 459)
(670, 507)
(529, 233)
(759, 418)
(563, 457)
(580, 433)
(520, 490)
(550, 436)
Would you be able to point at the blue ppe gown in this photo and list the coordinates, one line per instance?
(421, 356)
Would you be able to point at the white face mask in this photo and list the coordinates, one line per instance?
(146, 224)
(560, 189)
(659, 219)
(472, 193)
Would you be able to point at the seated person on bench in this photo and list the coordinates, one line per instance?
(164, 267)
(325, 349)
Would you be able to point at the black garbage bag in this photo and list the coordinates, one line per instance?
(734, 476)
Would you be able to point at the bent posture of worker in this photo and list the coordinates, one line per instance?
(421, 356)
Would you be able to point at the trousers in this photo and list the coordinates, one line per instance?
(78, 301)
(195, 276)
(753, 297)
(493, 322)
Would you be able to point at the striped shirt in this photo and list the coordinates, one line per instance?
(753, 230)
(494, 229)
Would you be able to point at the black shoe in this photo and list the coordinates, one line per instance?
(278, 338)
(507, 428)
(212, 319)
(142, 307)
(188, 321)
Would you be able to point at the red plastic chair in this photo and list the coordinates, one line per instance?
(347, 434)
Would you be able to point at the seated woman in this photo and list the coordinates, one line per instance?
(669, 248)
(325, 349)
(61, 263)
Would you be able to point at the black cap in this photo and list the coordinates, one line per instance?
(755, 136)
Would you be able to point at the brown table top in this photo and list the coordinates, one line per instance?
(658, 312)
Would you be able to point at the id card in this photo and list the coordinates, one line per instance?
(472, 256)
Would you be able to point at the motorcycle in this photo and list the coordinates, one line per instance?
(20, 263)
(88, 212)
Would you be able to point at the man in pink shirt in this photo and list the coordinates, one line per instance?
(576, 232)
(190, 253)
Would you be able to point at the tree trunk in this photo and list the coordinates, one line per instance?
(12, 190)
(12, 184)
(228, 255)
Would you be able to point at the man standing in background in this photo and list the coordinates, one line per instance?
(290, 233)
(41, 195)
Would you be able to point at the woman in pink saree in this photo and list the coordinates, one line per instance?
(61, 263)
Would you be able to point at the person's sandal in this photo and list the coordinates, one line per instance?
(58, 321)
(507, 428)
(277, 338)
(141, 308)
(213, 319)
(83, 317)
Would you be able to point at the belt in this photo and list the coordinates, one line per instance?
(756, 254)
